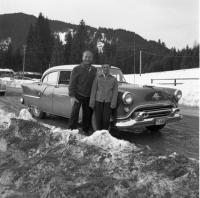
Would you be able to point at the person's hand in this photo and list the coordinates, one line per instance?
(73, 99)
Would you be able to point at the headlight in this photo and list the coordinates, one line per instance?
(178, 94)
(127, 98)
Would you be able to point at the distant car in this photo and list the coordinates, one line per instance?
(137, 106)
(28, 75)
(6, 75)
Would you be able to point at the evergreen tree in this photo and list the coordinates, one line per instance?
(32, 59)
(80, 43)
(39, 45)
(17, 60)
(57, 57)
(45, 45)
(9, 57)
(67, 48)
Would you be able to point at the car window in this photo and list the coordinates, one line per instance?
(51, 78)
(64, 77)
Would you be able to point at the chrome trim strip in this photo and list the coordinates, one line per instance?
(159, 111)
(61, 94)
(131, 123)
(147, 105)
(31, 96)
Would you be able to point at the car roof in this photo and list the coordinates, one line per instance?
(6, 70)
(69, 67)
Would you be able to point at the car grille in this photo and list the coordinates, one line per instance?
(154, 111)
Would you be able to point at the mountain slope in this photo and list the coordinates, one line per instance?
(16, 27)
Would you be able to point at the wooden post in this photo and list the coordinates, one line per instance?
(140, 62)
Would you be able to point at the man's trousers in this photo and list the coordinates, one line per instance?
(87, 113)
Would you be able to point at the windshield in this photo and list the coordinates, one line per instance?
(116, 73)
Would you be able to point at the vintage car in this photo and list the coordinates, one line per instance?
(6, 76)
(137, 106)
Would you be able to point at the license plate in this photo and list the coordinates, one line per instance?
(160, 121)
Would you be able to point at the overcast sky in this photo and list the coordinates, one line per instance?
(173, 21)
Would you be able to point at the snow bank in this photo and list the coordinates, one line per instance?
(52, 162)
(24, 114)
(190, 88)
(5, 119)
(104, 140)
(9, 82)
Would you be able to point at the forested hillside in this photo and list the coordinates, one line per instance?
(39, 39)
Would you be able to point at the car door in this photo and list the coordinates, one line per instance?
(48, 83)
(61, 100)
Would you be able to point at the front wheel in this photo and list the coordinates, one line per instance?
(37, 112)
(155, 128)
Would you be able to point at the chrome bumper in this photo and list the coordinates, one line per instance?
(132, 123)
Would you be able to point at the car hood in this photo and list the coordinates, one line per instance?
(145, 94)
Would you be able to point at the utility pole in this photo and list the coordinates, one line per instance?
(24, 59)
(134, 56)
(140, 62)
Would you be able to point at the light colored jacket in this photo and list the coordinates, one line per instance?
(104, 89)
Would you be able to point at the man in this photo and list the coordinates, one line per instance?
(80, 85)
(104, 97)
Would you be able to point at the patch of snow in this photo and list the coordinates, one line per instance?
(3, 145)
(62, 35)
(5, 119)
(104, 140)
(66, 134)
(10, 82)
(4, 43)
(24, 114)
(190, 88)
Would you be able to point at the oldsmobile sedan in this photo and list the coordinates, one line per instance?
(137, 106)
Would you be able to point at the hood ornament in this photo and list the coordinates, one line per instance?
(156, 96)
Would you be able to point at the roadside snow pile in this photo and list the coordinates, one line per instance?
(18, 83)
(24, 114)
(40, 161)
(5, 119)
(9, 82)
(104, 140)
(190, 88)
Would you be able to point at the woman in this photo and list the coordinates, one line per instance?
(103, 97)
